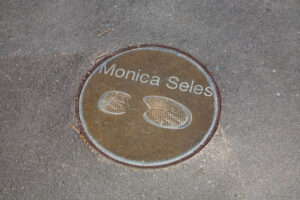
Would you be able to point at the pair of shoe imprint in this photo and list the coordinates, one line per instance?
(162, 111)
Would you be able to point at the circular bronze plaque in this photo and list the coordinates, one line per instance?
(148, 106)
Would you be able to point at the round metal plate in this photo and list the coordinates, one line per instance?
(148, 106)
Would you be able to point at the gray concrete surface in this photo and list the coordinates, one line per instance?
(251, 47)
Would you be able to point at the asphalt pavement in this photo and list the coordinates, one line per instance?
(250, 47)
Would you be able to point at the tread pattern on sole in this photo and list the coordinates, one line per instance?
(113, 102)
(166, 113)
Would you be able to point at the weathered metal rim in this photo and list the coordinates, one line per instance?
(209, 134)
